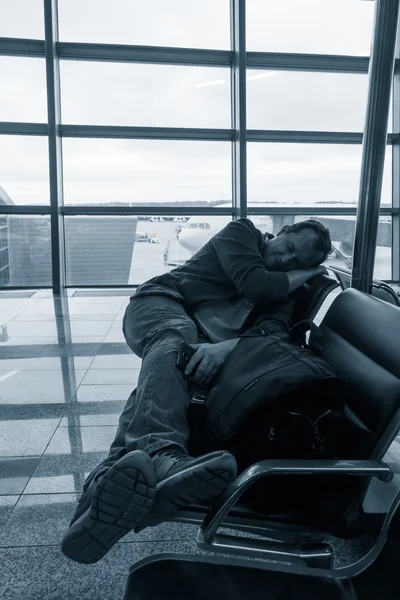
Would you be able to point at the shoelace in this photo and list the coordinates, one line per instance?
(165, 455)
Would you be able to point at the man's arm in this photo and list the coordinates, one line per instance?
(300, 276)
(237, 249)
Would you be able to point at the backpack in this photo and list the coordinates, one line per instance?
(268, 363)
(277, 397)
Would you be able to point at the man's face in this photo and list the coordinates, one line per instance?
(289, 251)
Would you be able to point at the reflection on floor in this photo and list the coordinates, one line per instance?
(65, 375)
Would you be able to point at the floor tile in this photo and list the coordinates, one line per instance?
(48, 329)
(88, 414)
(115, 301)
(164, 532)
(7, 504)
(24, 412)
(104, 293)
(111, 376)
(114, 348)
(4, 294)
(8, 315)
(15, 473)
(128, 361)
(26, 438)
(114, 335)
(44, 573)
(37, 520)
(61, 349)
(33, 340)
(45, 363)
(56, 474)
(100, 393)
(91, 420)
(70, 440)
(18, 303)
(42, 519)
(30, 387)
(29, 318)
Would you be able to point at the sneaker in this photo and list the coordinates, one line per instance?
(84, 501)
(183, 480)
(117, 503)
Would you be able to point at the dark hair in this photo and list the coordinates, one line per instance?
(323, 242)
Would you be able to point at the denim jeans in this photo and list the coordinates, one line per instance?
(155, 413)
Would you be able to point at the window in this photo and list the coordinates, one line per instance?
(22, 19)
(25, 252)
(310, 26)
(129, 250)
(154, 172)
(307, 101)
(144, 95)
(309, 174)
(342, 229)
(23, 90)
(179, 23)
(24, 170)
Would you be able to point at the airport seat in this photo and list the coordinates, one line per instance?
(380, 289)
(360, 341)
(174, 576)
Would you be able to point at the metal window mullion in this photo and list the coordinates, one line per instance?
(143, 54)
(55, 150)
(238, 107)
(396, 166)
(287, 61)
(374, 143)
(151, 133)
(22, 47)
(188, 133)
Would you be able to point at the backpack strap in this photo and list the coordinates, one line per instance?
(315, 342)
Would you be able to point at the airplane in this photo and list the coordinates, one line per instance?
(198, 230)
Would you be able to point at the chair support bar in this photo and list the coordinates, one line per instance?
(312, 554)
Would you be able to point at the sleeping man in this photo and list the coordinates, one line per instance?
(216, 294)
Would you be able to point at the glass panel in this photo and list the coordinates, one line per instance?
(121, 250)
(179, 23)
(310, 26)
(342, 230)
(129, 250)
(309, 174)
(25, 250)
(99, 93)
(23, 90)
(22, 19)
(158, 173)
(24, 170)
(307, 101)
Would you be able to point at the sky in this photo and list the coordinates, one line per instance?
(104, 171)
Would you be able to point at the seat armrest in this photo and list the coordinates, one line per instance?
(207, 538)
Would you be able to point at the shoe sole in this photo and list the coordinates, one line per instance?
(122, 498)
(196, 485)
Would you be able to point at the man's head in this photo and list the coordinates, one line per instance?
(299, 246)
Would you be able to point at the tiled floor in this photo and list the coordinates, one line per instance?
(65, 375)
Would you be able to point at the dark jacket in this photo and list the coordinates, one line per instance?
(228, 267)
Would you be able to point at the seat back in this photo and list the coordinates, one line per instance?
(361, 341)
(380, 289)
(311, 296)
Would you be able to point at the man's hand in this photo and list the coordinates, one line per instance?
(209, 358)
(320, 270)
(299, 276)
